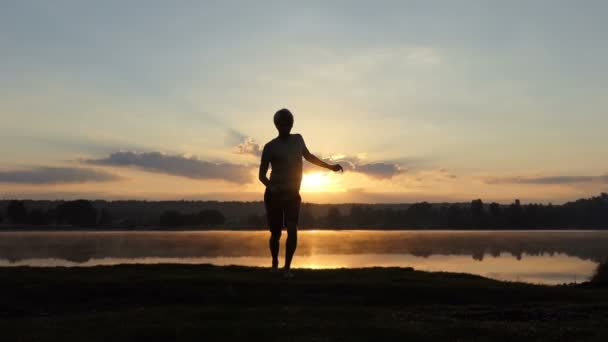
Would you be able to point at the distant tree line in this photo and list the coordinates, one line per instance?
(82, 213)
(206, 218)
(583, 213)
(78, 212)
(580, 214)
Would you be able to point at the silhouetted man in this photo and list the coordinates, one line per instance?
(282, 196)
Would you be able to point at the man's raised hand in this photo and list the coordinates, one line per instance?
(337, 167)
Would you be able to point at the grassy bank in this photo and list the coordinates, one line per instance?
(202, 302)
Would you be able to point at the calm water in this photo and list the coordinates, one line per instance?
(549, 257)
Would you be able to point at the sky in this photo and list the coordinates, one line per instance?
(419, 100)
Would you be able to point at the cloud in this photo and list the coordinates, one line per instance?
(432, 175)
(447, 174)
(547, 180)
(249, 146)
(53, 175)
(177, 165)
(234, 136)
(378, 170)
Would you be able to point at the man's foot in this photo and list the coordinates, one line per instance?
(275, 267)
(287, 273)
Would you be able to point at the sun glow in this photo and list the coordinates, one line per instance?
(319, 182)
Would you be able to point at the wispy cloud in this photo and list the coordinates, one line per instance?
(547, 180)
(53, 175)
(90, 143)
(177, 165)
(249, 146)
(376, 169)
(234, 136)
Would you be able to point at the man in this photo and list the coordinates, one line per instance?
(282, 196)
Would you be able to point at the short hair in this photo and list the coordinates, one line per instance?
(283, 114)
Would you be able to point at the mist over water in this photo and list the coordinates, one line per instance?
(549, 257)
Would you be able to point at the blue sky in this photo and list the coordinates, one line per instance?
(442, 100)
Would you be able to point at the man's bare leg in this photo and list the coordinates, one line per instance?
(290, 245)
(274, 249)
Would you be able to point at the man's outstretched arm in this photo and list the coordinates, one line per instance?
(315, 160)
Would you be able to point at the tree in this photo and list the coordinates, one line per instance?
(477, 213)
(455, 216)
(306, 218)
(257, 221)
(334, 218)
(496, 218)
(170, 218)
(477, 208)
(105, 217)
(37, 217)
(419, 214)
(77, 213)
(495, 209)
(211, 217)
(16, 211)
(515, 214)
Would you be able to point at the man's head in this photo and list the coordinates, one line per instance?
(283, 121)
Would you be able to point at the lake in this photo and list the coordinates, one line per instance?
(547, 257)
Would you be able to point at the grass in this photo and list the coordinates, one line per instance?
(204, 302)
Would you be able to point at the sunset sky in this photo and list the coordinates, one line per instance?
(419, 100)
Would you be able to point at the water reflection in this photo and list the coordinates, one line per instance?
(540, 257)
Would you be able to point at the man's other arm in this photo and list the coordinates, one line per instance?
(264, 163)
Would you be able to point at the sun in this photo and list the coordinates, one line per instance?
(317, 182)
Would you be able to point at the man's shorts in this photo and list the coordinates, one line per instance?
(282, 209)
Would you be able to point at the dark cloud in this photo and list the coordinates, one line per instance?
(547, 180)
(52, 175)
(177, 165)
(249, 146)
(379, 170)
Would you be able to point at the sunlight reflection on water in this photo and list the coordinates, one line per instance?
(537, 257)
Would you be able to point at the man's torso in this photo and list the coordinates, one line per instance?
(285, 157)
